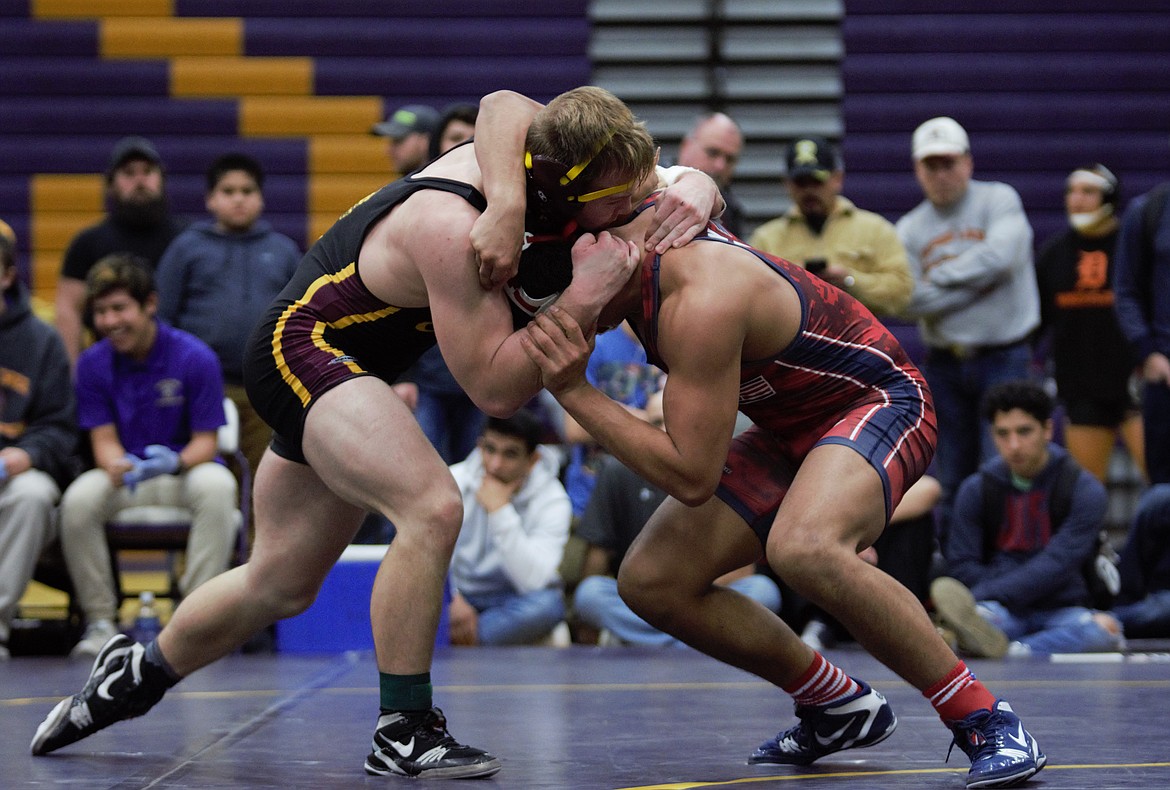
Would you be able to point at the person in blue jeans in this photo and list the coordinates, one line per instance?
(1015, 556)
(516, 514)
(1143, 604)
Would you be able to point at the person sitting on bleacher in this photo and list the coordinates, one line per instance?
(38, 431)
(151, 398)
(516, 514)
(1143, 603)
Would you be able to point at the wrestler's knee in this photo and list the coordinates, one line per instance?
(645, 585)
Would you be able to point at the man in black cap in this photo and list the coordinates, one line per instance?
(409, 130)
(138, 221)
(855, 250)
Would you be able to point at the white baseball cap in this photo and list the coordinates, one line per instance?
(940, 136)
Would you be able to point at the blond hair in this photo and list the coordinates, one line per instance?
(590, 124)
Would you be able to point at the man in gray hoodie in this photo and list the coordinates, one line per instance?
(38, 434)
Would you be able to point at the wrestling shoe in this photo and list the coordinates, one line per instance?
(418, 744)
(956, 609)
(862, 719)
(115, 691)
(1002, 752)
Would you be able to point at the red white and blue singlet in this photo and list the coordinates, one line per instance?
(844, 379)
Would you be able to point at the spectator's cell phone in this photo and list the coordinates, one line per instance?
(816, 265)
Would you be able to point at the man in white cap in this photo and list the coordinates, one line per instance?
(969, 245)
(409, 129)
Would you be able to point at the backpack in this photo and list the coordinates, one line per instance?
(1100, 569)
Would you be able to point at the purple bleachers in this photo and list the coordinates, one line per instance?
(386, 37)
(46, 39)
(381, 9)
(437, 77)
(1041, 87)
(13, 195)
(99, 115)
(51, 153)
(59, 76)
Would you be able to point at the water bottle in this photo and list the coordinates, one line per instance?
(146, 624)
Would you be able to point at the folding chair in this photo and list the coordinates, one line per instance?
(156, 527)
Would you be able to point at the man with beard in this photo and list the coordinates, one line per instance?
(138, 222)
(856, 250)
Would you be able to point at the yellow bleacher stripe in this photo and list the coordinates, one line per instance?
(152, 37)
(358, 153)
(298, 116)
(334, 193)
(81, 9)
(66, 192)
(230, 76)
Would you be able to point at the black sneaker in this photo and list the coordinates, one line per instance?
(114, 692)
(860, 720)
(418, 744)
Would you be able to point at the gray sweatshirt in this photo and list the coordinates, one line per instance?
(974, 283)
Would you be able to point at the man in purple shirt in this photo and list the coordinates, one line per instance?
(151, 398)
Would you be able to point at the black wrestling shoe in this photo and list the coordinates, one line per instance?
(115, 691)
(416, 743)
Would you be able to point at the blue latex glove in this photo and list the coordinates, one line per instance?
(160, 460)
(3, 470)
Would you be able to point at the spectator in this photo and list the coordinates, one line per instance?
(219, 276)
(1020, 537)
(38, 431)
(856, 250)
(138, 221)
(151, 397)
(1140, 287)
(1091, 359)
(970, 251)
(1143, 605)
(620, 506)
(713, 145)
(448, 417)
(516, 515)
(409, 131)
(455, 125)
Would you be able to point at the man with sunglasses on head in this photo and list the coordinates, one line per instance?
(394, 275)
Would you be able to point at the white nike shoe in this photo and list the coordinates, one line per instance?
(416, 743)
(862, 719)
(115, 691)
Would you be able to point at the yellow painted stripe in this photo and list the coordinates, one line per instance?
(299, 116)
(67, 192)
(81, 9)
(146, 37)
(357, 153)
(331, 193)
(231, 76)
(318, 330)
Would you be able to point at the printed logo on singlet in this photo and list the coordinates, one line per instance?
(343, 359)
(754, 390)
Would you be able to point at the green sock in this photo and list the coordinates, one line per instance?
(405, 692)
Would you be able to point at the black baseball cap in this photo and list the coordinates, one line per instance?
(129, 148)
(812, 157)
(407, 120)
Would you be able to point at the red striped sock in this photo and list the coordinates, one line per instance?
(958, 694)
(822, 683)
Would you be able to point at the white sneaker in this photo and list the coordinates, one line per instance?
(94, 639)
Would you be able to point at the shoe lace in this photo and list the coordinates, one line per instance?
(435, 722)
(991, 731)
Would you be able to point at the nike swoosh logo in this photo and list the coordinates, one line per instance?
(103, 690)
(1022, 740)
(403, 749)
(833, 736)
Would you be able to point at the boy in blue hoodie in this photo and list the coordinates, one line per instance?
(218, 276)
